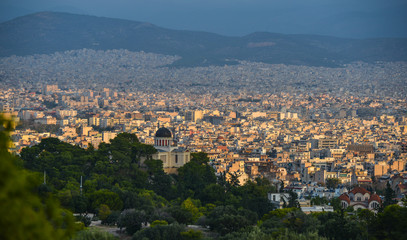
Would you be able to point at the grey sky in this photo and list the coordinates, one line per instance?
(344, 18)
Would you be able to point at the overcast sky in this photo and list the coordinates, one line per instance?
(343, 18)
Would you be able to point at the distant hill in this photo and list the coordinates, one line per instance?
(49, 32)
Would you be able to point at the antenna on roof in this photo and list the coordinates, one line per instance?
(81, 185)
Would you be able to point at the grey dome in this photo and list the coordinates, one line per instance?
(163, 133)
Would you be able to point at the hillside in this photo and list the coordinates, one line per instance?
(49, 32)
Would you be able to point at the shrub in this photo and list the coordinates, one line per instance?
(132, 220)
(94, 235)
(161, 232)
(111, 220)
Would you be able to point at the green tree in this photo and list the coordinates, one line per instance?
(332, 182)
(158, 180)
(132, 220)
(292, 200)
(389, 196)
(192, 206)
(273, 222)
(281, 186)
(23, 214)
(253, 195)
(226, 219)
(63, 163)
(104, 212)
(111, 220)
(181, 215)
(366, 218)
(336, 204)
(200, 158)
(148, 200)
(228, 223)
(159, 222)
(104, 196)
(335, 225)
(233, 181)
(319, 201)
(299, 222)
(191, 235)
(273, 225)
(161, 232)
(124, 143)
(80, 204)
(390, 224)
(196, 175)
(213, 193)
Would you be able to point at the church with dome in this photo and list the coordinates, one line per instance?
(168, 152)
(360, 198)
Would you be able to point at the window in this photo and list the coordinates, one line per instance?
(359, 199)
(176, 158)
(374, 205)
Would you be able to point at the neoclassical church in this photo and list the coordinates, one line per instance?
(172, 156)
(360, 198)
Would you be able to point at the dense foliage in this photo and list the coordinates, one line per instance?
(25, 212)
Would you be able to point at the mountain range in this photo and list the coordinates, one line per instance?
(49, 32)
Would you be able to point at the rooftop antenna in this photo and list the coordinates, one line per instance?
(81, 185)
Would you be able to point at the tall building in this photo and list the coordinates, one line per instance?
(194, 116)
(48, 89)
(380, 169)
(172, 156)
(94, 121)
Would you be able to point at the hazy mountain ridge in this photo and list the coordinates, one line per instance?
(49, 32)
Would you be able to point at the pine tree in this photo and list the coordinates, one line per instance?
(389, 196)
(293, 200)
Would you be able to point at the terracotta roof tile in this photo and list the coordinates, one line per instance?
(345, 197)
(375, 197)
(359, 190)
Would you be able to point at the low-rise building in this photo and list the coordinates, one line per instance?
(360, 198)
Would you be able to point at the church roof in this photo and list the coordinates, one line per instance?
(376, 198)
(359, 190)
(163, 132)
(344, 197)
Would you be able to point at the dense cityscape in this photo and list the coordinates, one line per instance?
(124, 71)
(120, 144)
(318, 132)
